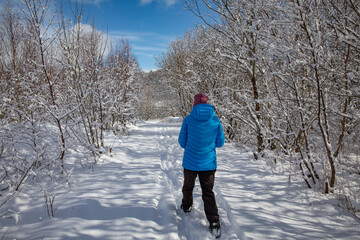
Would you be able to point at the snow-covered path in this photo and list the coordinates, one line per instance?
(193, 226)
(136, 193)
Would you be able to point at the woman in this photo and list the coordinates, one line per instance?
(200, 134)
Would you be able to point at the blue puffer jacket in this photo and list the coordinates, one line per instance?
(201, 132)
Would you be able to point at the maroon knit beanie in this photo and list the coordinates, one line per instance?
(200, 98)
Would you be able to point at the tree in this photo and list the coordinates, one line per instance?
(123, 71)
(57, 93)
(36, 12)
(286, 71)
(244, 26)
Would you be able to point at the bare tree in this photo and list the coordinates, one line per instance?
(329, 70)
(123, 71)
(175, 62)
(36, 14)
(287, 71)
(244, 25)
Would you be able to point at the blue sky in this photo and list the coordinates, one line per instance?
(148, 24)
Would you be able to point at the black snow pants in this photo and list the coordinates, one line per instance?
(207, 179)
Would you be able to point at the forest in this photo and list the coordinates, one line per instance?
(284, 77)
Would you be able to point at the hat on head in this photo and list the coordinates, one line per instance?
(200, 98)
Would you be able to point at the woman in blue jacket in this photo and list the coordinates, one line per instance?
(200, 134)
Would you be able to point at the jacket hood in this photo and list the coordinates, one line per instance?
(203, 112)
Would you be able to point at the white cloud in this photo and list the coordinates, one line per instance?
(145, 2)
(131, 36)
(144, 48)
(144, 45)
(149, 55)
(128, 35)
(93, 2)
(168, 3)
(142, 36)
(149, 70)
(86, 29)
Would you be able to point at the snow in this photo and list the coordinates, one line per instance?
(135, 193)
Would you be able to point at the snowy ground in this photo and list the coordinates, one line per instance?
(136, 193)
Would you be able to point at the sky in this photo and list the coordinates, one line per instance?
(149, 25)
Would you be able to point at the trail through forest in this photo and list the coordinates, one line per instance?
(134, 192)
